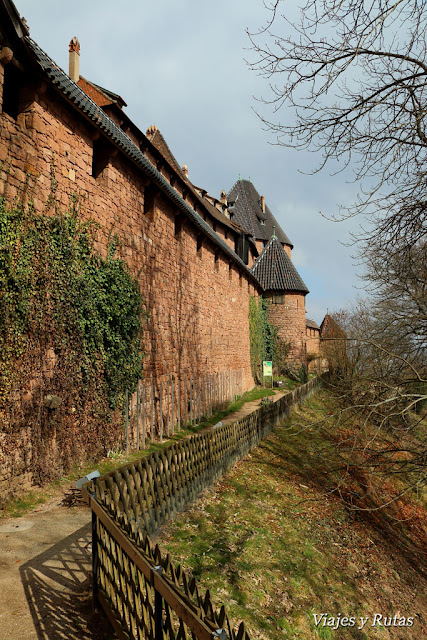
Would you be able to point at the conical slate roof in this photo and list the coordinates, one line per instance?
(275, 270)
(247, 212)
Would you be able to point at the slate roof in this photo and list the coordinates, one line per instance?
(311, 324)
(275, 270)
(74, 94)
(247, 212)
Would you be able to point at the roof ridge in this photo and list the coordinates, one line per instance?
(97, 116)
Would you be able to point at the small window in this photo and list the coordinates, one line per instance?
(178, 226)
(216, 260)
(150, 201)
(200, 239)
(11, 90)
(278, 299)
(100, 157)
(262, 222)
(230, 271)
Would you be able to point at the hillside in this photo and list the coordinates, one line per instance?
(279, 548)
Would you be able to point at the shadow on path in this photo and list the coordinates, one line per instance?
(57, 588)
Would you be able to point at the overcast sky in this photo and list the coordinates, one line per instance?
(181, 66)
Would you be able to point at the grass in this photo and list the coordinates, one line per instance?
(275, 546)
(18, 507)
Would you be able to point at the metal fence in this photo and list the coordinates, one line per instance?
(160, 409)
(144, 595)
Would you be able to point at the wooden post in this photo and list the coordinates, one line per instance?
(143, 418)
(179, 405)
(95, 602)
(152, 413)
(137, 416)
(169, 408)
(158, 609)
(204, 411)
(161, 412)
(185, 407)
(208, 381)
(192, 416)
(127, 422)
(172, 401)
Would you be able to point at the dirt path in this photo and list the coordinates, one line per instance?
(44, 576)
(45, 563)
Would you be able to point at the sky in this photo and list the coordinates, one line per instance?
(182, 66)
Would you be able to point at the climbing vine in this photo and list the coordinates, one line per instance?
(263, 336)
(70, 324)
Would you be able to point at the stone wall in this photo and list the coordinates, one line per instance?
(289, 318)
(313, 347)
(196, 297)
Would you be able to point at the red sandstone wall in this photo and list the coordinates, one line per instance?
(290, 320)
(198, 310)
(313, 346)
(198, 307)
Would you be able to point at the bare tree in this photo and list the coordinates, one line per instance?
(355, 74)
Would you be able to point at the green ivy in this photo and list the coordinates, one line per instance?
(54, 283)
(263, 336)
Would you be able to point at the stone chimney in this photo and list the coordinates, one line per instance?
(185, 170)
(223, 198)
(263, 204)
(74, 60)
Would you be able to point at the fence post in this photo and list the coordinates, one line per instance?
(158, 608)
(161, 412)
(152, 413)
(127, 422)
(143, 418)
(137, 416)
(95, 602)
(179, 405)
(172, 402)
(168, 425)
(204, 397)
(185, 404)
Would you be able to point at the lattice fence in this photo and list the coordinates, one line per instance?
(141, 591)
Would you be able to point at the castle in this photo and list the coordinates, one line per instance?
(199, 259)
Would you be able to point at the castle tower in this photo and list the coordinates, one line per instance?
(286, 293)
(251, 212)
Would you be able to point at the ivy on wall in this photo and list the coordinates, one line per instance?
(53, 281)
(265, 342)
(70, 325)
(263, 336)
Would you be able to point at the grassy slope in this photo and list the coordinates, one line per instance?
(276, 547)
